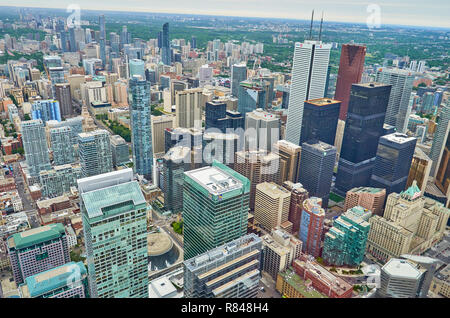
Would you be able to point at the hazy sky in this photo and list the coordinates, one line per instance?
(408, 12)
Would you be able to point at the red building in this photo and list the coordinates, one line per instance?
(298, 195)
(322, 280)
(351, 67)
(311, 226)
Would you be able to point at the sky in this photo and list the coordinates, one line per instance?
(434, 13)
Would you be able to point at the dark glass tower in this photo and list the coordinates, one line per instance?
(363, 128)
(320, 118)
(217, 116)
(316, 169)
(165, 54)
(393, 161)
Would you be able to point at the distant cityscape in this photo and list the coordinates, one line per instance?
(166, 156)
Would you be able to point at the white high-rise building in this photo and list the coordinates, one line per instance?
(421, 67)
(309, 77)
(398, 106)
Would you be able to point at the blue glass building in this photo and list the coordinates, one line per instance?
(46, 110)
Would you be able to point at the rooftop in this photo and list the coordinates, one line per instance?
(214, 180)
(398, 138)
(401, 268)
(53, 279)
(300, 285)
(36, 236)
(367, 190)
(273, 190)
(322, 101)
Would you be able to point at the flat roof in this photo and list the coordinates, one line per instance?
(163, 286)
(399, 138)
(401, 268)
(36, 236)
(322, 101)
(215, 180)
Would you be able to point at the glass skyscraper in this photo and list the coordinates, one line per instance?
(215, 208)
(35, 146)
(46, 110)
(363, 128)
(141, 127)
(165, 47)
(113, 211)
(393, 161)
(95, 152)
(61, 145)
(238, 75)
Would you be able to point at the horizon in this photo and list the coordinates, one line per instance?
(61, 5)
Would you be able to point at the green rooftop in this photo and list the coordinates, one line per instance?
(36, 236)
(103, 201)
(299, 284)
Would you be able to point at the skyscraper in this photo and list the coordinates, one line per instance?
(311, 226)
(420, 169)
(217, 116)
(320, 118)
(141, 126)
(363, 128)
(113, 210)
(46, 110)
(238, 75)
(316, 169)
(102, 40)
(298, 195)
(394, 156)
(95, 152)
(371, 199)
(397, 112)
(35, 146)
(119, 150)
(262, 130)
(252, 95)
(231, 270)
(309, 77)
(345, 243)
(351, 67)
(188, 108)
(215, 208)
(136, 67)
(442, 179)
(61, 145)
(166, 54)
(37, 250)
(272, 203)
(63, 96)
(440, 138)
(175, 162)
(289, 154)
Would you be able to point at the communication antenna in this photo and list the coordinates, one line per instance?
(310, 28)
(320, 32)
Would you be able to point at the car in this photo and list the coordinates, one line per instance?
(262, 289)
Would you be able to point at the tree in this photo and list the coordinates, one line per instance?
(26, 117)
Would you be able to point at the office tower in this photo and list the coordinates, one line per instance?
(442, 178)
(95, 152)
(46, 110)
(271, 205)
(136, 67)
(75, 124)
(119, 150)
(238, 75)
(186, 137)
(65, 281)
(141, 127)
(159, 126)
(345, 243)
(188, 108)
(102, 38)
(440, 138)
(320, 118)
(37, 250)
(193, 42)
(351, 67)
(114, 210)
(393, 161)
(166, 54)
(371, 199)
(231, 270)
(309, 77)
(215, 208)
(339, 136)
(35, 146)
(316, 169)
(311, 226)
(298, 195)
(400, 278)
(258, 166)
(58, 180)
(280, 249)
(63, 96)
(175, 162)
(251, 95)
(176, 86)
(221, 147)
(262, 130)
(429, 266)
(420, 169)
(363, 128)
(219, 118)
(416, 222)
(61, 145)
(289, 160)
(402, 82)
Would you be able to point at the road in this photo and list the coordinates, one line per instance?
(164, 223)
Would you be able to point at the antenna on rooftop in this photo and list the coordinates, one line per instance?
(310, 28)
(320, 32)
